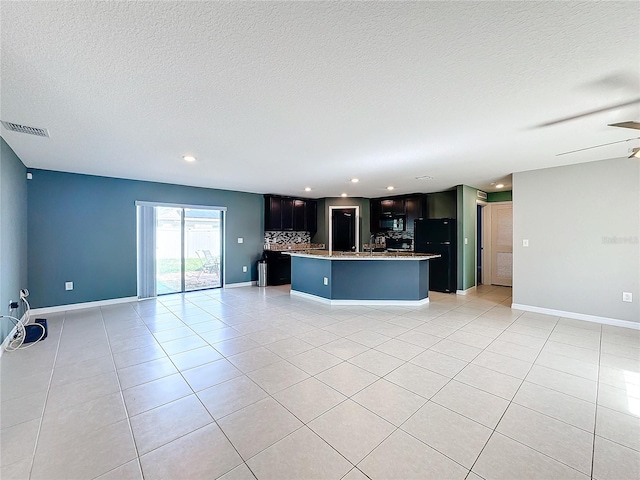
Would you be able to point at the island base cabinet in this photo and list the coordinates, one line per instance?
(364, 282)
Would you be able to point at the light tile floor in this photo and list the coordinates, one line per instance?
(251, 383)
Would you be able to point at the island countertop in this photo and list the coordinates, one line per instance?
(324, 254)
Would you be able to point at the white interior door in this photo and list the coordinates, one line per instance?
(502, 244)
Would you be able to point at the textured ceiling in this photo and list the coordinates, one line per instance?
(273, 97)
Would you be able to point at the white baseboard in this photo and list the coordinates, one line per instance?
(327, 301)
(464, 292)
(80, 306)
(240, 284)
(577, 316)
(308, 296)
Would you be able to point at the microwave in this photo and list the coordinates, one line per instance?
(393, 223)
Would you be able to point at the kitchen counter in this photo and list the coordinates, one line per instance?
(384, 278)
(362, 255)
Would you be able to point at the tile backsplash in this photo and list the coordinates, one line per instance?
(395, 239)
(408, 234)
(287, 237)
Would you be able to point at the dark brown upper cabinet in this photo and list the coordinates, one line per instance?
(287, 213)
(272, 213)
(392, 206)
(406, 208)
(290, 214)
(414, 207)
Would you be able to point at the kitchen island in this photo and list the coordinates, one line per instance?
(345, 278)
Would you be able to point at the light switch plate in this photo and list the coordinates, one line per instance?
(325, 281)
(627, 297)
(525, 243)
(68, 285)
(244, 268)
(240, 240)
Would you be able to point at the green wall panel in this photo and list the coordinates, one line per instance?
(505, 196)
(466, 220)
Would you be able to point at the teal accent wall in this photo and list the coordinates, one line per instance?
(505, 196)
(13, 231)
(466, 222)
(82, 228)
(322, 235)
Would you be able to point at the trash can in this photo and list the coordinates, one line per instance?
(262, 273)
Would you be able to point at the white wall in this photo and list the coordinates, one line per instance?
(583, 226)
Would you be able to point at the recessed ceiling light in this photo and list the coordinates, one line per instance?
(499, 185)
(354, 180)
(189, 158)
(390, 187)
(307, 189)
(343, 195)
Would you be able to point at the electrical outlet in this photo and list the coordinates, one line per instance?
(466, 241)
(627, 297)
(244, 268)
(68, 285)
(325, 281)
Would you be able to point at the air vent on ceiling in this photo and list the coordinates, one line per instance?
(16, 127)
(481, 195)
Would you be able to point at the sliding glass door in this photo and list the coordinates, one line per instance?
(179, 248)
(202, 249)
(169, 250)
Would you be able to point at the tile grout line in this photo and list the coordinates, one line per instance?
(124, 405)
(44, 407)
(343, 361)
(509, 405)
(214, 421)
(595, 419)
(428, 400)
(511, 401)
(396, 428)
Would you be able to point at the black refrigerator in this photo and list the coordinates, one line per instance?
(438, 236)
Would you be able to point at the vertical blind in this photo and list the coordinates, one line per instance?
(146, 217)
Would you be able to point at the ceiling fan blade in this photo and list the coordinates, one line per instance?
(592, 112)
(629, 124)
(598, 146)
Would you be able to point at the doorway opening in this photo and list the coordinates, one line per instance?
(496, 238)
(502, 244)
(180, 248)
(344, 229)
